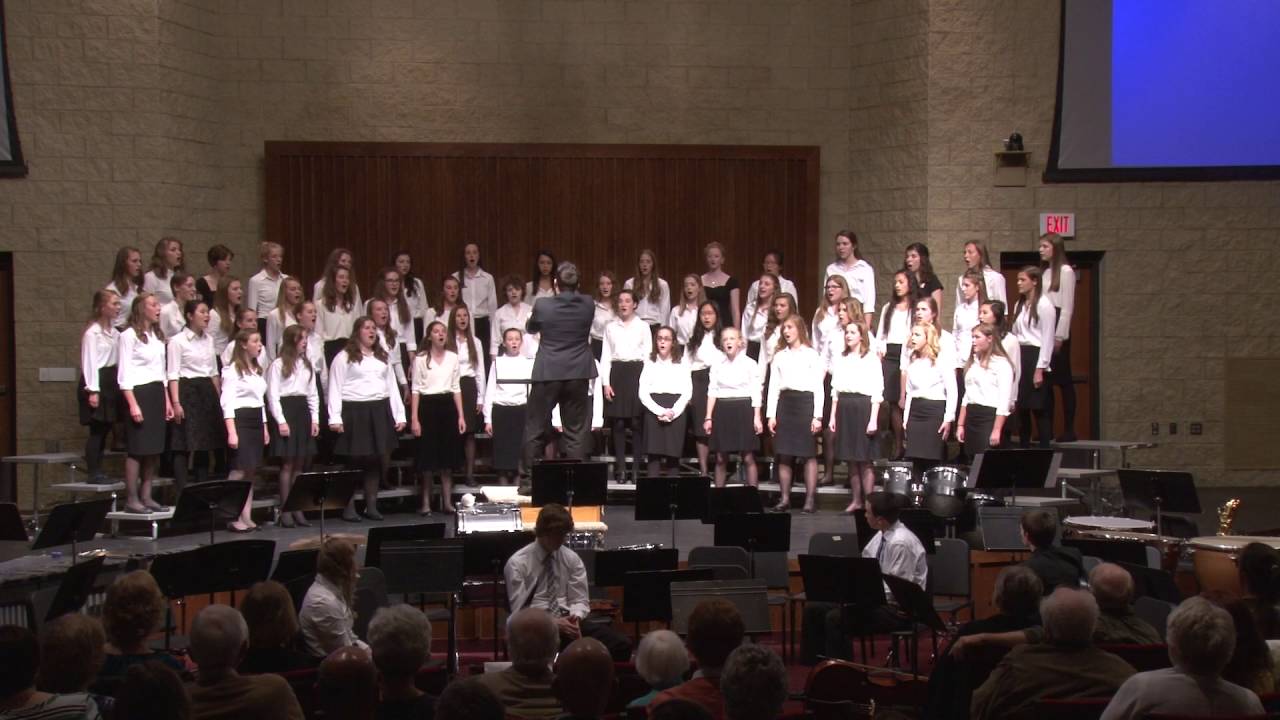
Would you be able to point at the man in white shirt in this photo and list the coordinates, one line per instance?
(900, 554)
(545, 574)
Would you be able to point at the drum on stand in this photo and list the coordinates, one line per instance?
(896, 478)
(1214, 558)
(945, 490)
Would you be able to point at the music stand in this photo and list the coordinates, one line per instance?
(485, 554)
(1159, 492)
(427, 566)
(1153, 583)
(209, 569)
(1116, 551)
(732, 499)
(921, 524)
(763, 532)
(673, 497)
(322, 490)
(71, 524)
(646, 595)
(586, 483)
(75, 588)
(397, 533)
(917, 603)
(217, 499)
(11, 525)
(1015, 469)
(847, 582)
(612, 566)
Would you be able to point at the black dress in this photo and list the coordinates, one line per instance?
(720, 296)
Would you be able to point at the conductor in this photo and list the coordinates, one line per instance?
(562, 369)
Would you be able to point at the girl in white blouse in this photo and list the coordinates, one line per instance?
(606, 310)
(295, 413)
(857, 389)
(627, 342)
(471, 377)
(927, 312)
(479, 294)
(665, 390)
(929, 383)
(977, 258)
(126, 281)
(165, 261)
(99, 382)
(992, 313)
(1059, 284)
(1033, 326)
(856, 271)
(891, 338)
(246, 319)
(365, 410)
(732, 417)
(389, 338)
(543, 283)
(784, 306)
(988, 377)
(514, 314)
(825, 322)
(141, 375)
(653, 294)
(505, 399)
(770, 265)
(795, 409)
(973, 292)
(336, 311)
(450, 296)
(194, 387)
(182, 288)
(389, 290)
(282, 316)
(222, 316)
(703, 353)
(338, 258)
(436, 413)
(755, 318)
(684, 316)
(415, 292)
(244, 410)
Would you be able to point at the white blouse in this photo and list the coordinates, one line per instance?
(418, 301)
(796, 369)
(682, 322)
(861, 374)
(946, 351)
(604, 315)
(624, 342)
(126, 303)
(275, 332)
(317, 294)
(301, 383)
(827, 336)
(315, 353)
(1012, 349)
(738, 377)
(995, 286)
(220, 339)
(788, 287)
(861, 278)
(479, 293)
(191, 356)
(471, 365)
(262, 291)
(171, 319)
(369, 379)
(929, 380)
(438, 379)
(531, 296)
(393, 356)
(335, 324)
(99, 349)
(1064, 298)
(139, 362)
(508, 383)
(754, 322)
(705, 355)
(1038, 333)
(242, 391)
(404, 330)
(963, 323)
(158, 286)
(663, 376)
(506, 317)
(991, 386)
(230, 349)
(652, 313)
(769, 347)
(899, 330)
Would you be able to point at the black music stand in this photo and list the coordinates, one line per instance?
(1015, 469)
(754, 532)
(397, 533)
(846, 582)
(918, 605)
(485, 554)
(673, 497)
(1152, 582)
(322, 490)
(584, 483)
(72, 524)
(216, 500)
(1159, 492)
(646, 594)
(11, 526)
(732, 499)
(209, 569)
(427, 566)
(921, 524)
(612, 566)
(75, 588)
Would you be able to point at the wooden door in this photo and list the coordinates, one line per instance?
(1084, 334)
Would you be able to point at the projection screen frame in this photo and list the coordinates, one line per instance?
(14, 167)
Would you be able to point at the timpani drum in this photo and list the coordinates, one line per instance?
(945, 490)
(1214, 558)
(1103, 522)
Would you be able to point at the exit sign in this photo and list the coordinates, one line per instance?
(1063, 224)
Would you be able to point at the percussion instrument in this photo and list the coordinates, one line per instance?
(489, 517)
(896, 479)
(1100, 527)
(945, 490)
(1214, 558)
(640, 546)
(585, 540)
(1100, 522)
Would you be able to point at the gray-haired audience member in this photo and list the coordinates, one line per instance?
(1112, 586)
(347, 685)
(400, 639)
(1065, 665)
(219, 639)
(1201, 639)
(662, 661)
(524, 689)
(469, 699)
(754, 684)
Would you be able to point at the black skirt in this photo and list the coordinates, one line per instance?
(794, 416)
(202, 427)
(440, 447)
(753, 349)
(852, 444)
(147, 437)
(1060, 363)
(1030, 397)
(108, 410)
(664, 438)
(733, 426)
(979, 420)
(508, 436)
(481, 327)
(331, 350)
(891, 364)
(367, 429)
(469, 413)
(698, 402)
(923, 441)
(299, 444)
(248, 456)
(597, 348)
(624, 378)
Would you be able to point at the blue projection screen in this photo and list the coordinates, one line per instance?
(1167, 90)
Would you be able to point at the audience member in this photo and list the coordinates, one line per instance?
(524, 689)
(1112, 587)
(1065, 665)
(347, 685)
(1054, 564)
(662, 661)
(400, 637)
(1251, 665)
(132, 611)
(151, 691)
(72, 649)
(584, 678)
(1201, 638)
(754, 684)
(327, 618)
(273, 631)
(715, 630)
(1260, 579)
(219, 640)
(19, 699)
(469, 699)
(679, 710)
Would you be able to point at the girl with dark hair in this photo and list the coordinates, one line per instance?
(916, 260)
(988, 377)
(281, 316)
(479, 294)
(338, 258)
(543, 283)
(684, 315)
(1259, 566)
(825, 322)
(246, 319)
(977, 258)
(194, 389)
(1059, 285)
(1033, 326)
(513, 315)
(336, 310)
(857, 389)
(992, 313)
(891, 337)
(182, 288)
(222, 316)
(166, 260)
(664, 392)
(219, 258)
(327, 616)
(721, 287)
(756, 317)
(99, 394)
(627, 342)
(390, 290)
(795, 409)
(652, 293)
(295, 413)
(505, 399)
(415, 292)
(450, 296)
(732, 416)
(783, 307)
(704, 353)
(771, 264)
(973, 292)
(859, 276)
(436, 412)
(126, 281)
(244, 410)
(141, 375)
(389, 338)
(462, 341)
(606, 309)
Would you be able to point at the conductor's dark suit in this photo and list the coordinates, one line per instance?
(562, 373)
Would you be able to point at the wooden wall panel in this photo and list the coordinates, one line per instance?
(597, 205)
